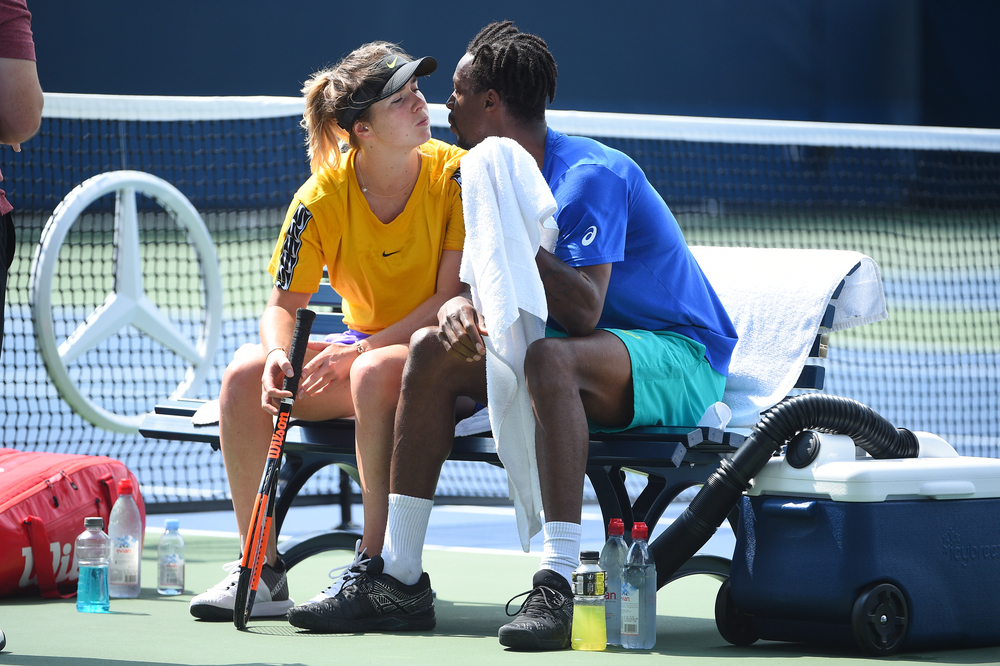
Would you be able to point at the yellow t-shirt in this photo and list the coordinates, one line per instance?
(381, 271)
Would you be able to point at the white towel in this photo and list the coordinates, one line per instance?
(207, 414)
(777, 299)
(508, 207)
(477, 424)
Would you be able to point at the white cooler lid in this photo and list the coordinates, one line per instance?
(939, 473)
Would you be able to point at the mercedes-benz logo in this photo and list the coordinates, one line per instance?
(127, 304)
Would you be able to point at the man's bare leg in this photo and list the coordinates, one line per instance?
(425, 427)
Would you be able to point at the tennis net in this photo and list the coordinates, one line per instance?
(923, 202)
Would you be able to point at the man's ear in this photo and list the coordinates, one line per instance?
(491, 102)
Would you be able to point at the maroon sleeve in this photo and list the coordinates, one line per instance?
(15, 30)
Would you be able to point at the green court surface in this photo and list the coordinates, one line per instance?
(472, 588)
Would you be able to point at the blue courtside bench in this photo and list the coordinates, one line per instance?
(672, 459)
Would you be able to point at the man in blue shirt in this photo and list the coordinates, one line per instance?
(636, 337)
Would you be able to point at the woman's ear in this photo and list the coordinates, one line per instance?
(362, 130)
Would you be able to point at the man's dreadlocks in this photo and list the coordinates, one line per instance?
(516, 64)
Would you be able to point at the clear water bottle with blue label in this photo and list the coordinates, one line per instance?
(639, 593)
(125, 530)
(170, 560)
(93, 553)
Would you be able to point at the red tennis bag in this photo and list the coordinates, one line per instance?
(44, 498)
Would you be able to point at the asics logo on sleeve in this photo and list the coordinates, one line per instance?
(392, 64)
(588, 237)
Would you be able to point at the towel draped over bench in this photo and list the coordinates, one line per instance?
(777, 299)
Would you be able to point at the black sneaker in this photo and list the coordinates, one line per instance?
(372, 601)
(545, 619)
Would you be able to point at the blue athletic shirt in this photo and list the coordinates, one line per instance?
(608, 213)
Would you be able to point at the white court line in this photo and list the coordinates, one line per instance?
(484, 551)
(452, 549)
(207, 533)
(497, 511)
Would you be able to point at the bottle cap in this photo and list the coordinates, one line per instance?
(93, 521)
(591, 555)
(616, 527)
(171, 524)
(639, 531)
(125, 487)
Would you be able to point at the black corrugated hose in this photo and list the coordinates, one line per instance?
(716, 499)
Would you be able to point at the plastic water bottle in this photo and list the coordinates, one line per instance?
(125, 530)
(93, 552)
(589, 630)
(639, 593)
(613, 561)
(170, 560)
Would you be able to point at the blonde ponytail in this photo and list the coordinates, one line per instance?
(323, 134)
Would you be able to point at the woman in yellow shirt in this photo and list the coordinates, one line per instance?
(385, 219)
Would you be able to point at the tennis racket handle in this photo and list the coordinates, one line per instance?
(300, 340)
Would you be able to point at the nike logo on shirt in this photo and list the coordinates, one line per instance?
(389, 254)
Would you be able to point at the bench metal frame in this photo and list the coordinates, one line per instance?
(671, 458)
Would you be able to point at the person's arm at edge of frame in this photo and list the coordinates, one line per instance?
(21, 101)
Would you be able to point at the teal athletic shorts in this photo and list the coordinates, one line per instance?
(672, 381)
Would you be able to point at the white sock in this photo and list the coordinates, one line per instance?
(561, 549)
(405, 532)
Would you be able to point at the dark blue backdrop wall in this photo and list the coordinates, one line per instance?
(879, 61)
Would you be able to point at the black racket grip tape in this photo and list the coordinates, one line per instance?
(300, 339)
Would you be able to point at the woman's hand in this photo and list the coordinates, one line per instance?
(461, 329)
(332, 365)
(276, 368)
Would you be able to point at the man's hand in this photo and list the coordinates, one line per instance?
(461, 329)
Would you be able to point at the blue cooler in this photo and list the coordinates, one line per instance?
(885, 554)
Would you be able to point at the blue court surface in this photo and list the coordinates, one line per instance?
(459, 527)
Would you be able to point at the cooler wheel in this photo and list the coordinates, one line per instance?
(880, 619)
(735, 626)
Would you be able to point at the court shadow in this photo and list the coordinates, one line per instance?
(455, 619)
(469, 619)
(15, 659)
(699, 637)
